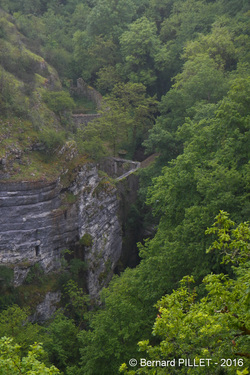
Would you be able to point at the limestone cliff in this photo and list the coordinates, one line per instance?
(98, 209)
(37, 222)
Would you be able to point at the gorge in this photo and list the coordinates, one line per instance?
(41, 219)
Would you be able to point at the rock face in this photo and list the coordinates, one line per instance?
(46, 308)
(33, 225)
(37, 222)
(98, 209)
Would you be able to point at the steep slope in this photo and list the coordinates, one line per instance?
(31, 127)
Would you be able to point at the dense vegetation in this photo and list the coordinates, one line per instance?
(175, 80)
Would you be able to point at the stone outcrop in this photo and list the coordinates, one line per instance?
(33, 225)
(37, 223)
(98, 209)
(41, 219)
(46, 308)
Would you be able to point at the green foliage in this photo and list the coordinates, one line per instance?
(83, 105)
(77, 267)
(93, 53)
(77, 303)
(203, 81)
(215, 327)
(7, 295)
(35, 275)
(231, 242)
(108, 77)
(61, 343)
(51, 139)
(70, 197)
(11, 363)
(207, 177)
(86, 240)
(59, 102)
(10, 99)
(110, 17)
(14, 323)
(89, 141)
(114, 330)
(126, 116)
(141, 51)
(218, 44)
(195, 54)
(6, 277)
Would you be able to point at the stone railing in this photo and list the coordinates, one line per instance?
(119, 168)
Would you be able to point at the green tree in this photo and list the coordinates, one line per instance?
(108, 77)
(142, 52)
(89, 140)
(110, 17)
(60, 342)
(92, 53)
(14, 323)
(232, 243)
(218, 44)
(215, 327)
(12, 363)
(77, 303)
(186, 19)
(114, 330)
(59, 101)
(210, 175)
(202, 83)
(126, 115)
(51, 139)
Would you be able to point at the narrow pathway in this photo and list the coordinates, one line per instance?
(138, 165)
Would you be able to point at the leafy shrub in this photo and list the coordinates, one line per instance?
(6, 278)
(51, 139)
(35, 275)
(58, 101)
(7, 297)
(86, 240)
(12, 362)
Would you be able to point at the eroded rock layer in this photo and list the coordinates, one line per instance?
(38, 222)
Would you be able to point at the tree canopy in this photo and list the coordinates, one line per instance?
(175, 85)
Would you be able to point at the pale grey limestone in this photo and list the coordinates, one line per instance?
(46, 308)
(36, 226)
